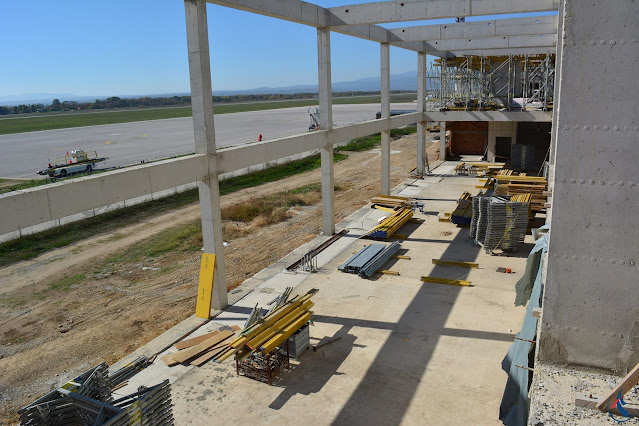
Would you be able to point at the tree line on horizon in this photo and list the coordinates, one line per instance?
(115, 102)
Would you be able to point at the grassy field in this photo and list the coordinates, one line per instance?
(81, 119)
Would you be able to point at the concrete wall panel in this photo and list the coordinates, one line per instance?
(591, 302)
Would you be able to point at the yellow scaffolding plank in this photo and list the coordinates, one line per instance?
(387, 272)
(286, 333)
(453, 263)
(205, 288)
(445, 281)
(279, 325)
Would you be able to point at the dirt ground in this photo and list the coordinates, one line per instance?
(48, 335)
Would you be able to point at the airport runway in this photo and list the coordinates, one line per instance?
(23, 154)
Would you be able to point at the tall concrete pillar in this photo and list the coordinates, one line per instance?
(591, 304)
(385, 72)
(326, 123)
(421, 102)
(204, 134)
(442, 140)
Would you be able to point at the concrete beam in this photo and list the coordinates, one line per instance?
(385, 107)
(442, 140)
(590, 309)
(504, 52)
(537, 116)
(505, 42)
(30, 207)
(535, 25)
(421, 103)
(197, 37)
(419, 10)
(326, 123)
(313, 15)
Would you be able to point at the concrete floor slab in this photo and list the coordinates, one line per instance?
(409, 353)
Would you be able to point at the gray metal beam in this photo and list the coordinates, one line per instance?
(535, 25)
(419, 10)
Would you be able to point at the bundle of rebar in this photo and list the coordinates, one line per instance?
(128, 370)
(391, 224)
(370, 259)
(267, 334)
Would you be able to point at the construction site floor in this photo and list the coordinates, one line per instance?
(409, 352)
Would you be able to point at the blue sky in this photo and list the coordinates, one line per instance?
(136, 47)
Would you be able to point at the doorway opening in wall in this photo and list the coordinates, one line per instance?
(502, 148)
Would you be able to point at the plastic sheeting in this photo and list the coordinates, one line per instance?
(514, 404)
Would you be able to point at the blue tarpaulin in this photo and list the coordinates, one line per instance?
(514, 404)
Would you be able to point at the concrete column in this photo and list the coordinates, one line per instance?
(385, 72)
(442, 140)
(421, 102)
(326, 123)
(590, 307)
(204, 134)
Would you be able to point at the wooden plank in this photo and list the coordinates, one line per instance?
(205, 288)
(624, 385)
(387, 272)
(443, 219)
(168, 360)
(195, 340)
(401, 256)
(452, 263)
(591, 401)
(196, 350)
(211, 353)
(199, 339)
(445, 281)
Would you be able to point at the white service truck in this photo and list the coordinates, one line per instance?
(76, 161)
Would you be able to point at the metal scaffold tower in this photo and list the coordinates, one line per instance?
(491, 82)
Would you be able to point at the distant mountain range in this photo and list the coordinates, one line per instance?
(405, 81)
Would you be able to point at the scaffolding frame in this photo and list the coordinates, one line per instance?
(491, 83)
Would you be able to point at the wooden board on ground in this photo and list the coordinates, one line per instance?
(591, 401)
(186, 354)
(214, 351)
(624, 386)
(199, 339)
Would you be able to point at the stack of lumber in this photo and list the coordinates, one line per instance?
(391, 224)
(524, 198)
(271, 331)
(198, 350)
(392, 201)
(464, 210)
(516, 185)
(487, 169)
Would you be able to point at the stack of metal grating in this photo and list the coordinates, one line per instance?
(87, 399)
(475, 216)
(370, 259)
(523, 157)
(482, 219)
(507, 223)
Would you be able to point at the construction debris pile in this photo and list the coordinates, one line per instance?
(88, 399)
(370, 259)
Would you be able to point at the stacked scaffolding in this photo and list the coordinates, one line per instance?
(491, 82)
(87, 399)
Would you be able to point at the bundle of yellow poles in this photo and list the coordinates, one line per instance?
(391, 224)
(271, 331)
